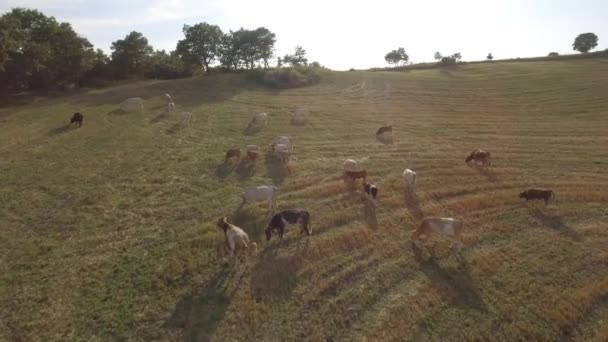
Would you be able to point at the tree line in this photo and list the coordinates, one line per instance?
(39, 53)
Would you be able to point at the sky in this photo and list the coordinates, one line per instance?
(343, 34)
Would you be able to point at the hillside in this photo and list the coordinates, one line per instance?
(108, 231)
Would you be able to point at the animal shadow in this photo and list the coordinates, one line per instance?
(197, 314)
(223, 170)
(274, 169)
(455, 282)
(245, 169)
(413, 204)
(554, 222)
(174, 129)
(253, 224)
(59, 130)
(252, 130)
(369, 212)
(159, 117)
(386, 139)
(274, 275)
(488, 173)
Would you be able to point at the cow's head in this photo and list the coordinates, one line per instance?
(523, 194)
(222, 224)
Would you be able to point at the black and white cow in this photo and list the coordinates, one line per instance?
(291, 216)
(371, 190)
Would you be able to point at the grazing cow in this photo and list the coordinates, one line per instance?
(351, 165)
(538, 194)
(284, 140)
(77, 119)
(440, 225)
(253, 152)
(186, 118)
(232, 153)
(170, 107)
(479, 156)
(371, 190)
(260, 193)
(236, 238)
(354, 175)
(409, 177)
(291, 216)
(132, 104)
(384, 129)
(258, 120)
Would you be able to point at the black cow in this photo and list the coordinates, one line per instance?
(77, 119)
(538, 194)
(291, 216)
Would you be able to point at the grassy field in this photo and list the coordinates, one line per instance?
(107, 232)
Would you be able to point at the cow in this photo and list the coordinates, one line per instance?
(284, 140)
(170, 107)
(132, 104)
(232, 153)
(236, 238)
(384, 129)
(258, 120)
(479, 156)
(77, 119)
(354, 175)
(291, 216)
(371, 190)
(253, 152)
(260, 193)
(351, 165)
(168, 98)
(441, 225)
(409, 177)
(538, 194)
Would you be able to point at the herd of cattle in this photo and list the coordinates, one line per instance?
(282, 148)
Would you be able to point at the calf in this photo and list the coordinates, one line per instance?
(479, 156)
(371, 190)
(441, 225)
(354, 175)
(77, 119)
(384, 129)
(236, 238)
(538, 194)
(291, 216)
(232, 153)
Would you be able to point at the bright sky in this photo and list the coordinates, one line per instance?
(341, 34)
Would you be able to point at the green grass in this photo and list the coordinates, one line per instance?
(107, 232)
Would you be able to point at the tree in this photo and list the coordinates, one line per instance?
(166, 66)
(585, 42)
(396, 56)
(201, 45)
(131, 55)
(553, 54)
(37, 52)
(437, 56)
(298, 58)
(457, 56)
(490, 57)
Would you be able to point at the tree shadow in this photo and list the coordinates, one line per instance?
(198, 314)
(487, 172)
(554, 222)
(176, 127)
(275, 276)
(59, 130)
(386, 139)
(274, 169)
(412, 204)
(245, 169)
(223, 170)
(455, 282)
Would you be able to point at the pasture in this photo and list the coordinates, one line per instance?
(108, 231)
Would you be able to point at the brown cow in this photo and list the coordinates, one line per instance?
(354, 175)
(479, 156)
(232, 153)
(538, 194)
(384, 129)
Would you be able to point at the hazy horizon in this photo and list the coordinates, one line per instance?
(348, 34)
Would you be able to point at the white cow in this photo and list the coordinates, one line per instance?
(351, 165)
(132, 104)
(236, 238)
(409, 177)
(170, 107)
(260, 193)
(284, 140)
(441, 225)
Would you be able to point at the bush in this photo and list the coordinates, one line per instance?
(448, 60)
(553, 54)
(284, 78)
